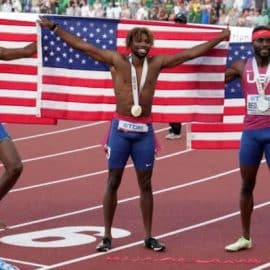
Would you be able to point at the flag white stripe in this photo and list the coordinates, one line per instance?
(93, 107)
(89, 91)
(18, 93)
(18, 77)
(178, 109)
(17, 30)
(22, 61)
(160, 28)
(176, 44)
(75, 106)
(18, 110)
(216, 136)
(233, 119)
(234, 102)
(207, 61)
(106, 75)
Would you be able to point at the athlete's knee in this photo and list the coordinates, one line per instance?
(15, 169)
(146, 185)
(113, 183)
(247, 189)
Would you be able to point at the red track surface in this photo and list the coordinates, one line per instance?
(61, 189)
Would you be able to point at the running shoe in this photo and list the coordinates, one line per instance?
(104, 245)
(241, 244)
(153, 244)
(7, 266)
(173, 136)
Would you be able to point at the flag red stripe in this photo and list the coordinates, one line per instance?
(194, 69)
(197, 117)
(155, 51)
(18, 69)
(18, 85)
(75, 115)
(58, 80)
(18, 37)
(101, 115)
(215, 144)
(187, 101)
(170, 35)
(234, 110)
(166, 23)
(18, 101)
(189, 85)
(78, 98)
(26, 119)
(17, 22)
(218, 127)
(111, 99)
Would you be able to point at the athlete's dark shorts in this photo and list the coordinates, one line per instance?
(254, 143)
(3, 133)
(122, 144)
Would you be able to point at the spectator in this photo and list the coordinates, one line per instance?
(125, 12)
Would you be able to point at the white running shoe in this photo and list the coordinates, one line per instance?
(173, 136)
(241, 244)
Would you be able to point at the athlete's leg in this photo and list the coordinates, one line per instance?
(110, 199)
(250, 156)
(248, 174)
(146, 200)
(12, 164)
(117, 154)
(143, 156)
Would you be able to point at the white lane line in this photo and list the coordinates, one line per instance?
(58, 131)
(261, 267)
(179, 231)
(68, 214)
(74, 178)
(23, 262)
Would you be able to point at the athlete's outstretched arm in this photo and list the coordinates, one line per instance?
(16, 53)
(196, 51)
(105, 56)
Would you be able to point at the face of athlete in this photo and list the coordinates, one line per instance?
(262, 47)
(141, 46)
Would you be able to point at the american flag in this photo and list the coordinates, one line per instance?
(225, 135)
(18, 78)
(74, 86)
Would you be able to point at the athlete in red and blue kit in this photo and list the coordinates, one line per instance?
(255, 140)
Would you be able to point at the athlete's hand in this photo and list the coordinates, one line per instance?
(44, 22)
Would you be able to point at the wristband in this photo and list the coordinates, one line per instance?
(54, 26)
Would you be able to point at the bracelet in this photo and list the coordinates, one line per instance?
(54, 26)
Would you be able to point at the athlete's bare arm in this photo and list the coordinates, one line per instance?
(235, 71)
(15, 53)
(105, 56)
(196, 51)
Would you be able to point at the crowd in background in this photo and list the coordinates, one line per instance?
(222, 12)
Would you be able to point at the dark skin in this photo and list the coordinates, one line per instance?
(248, 173)
(120, 70)
(8, 152)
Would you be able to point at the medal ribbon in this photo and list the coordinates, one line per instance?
(261, 80)
(134, 82)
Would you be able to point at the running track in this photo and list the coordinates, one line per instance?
(55, 219)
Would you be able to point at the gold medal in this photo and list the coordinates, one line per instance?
(136, 110)
(262, 104)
